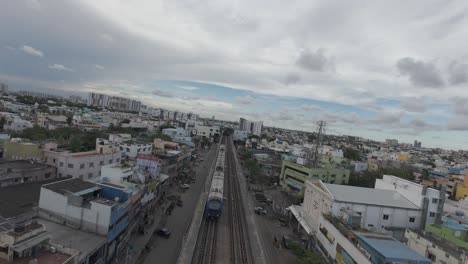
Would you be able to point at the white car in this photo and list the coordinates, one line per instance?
(184, 186)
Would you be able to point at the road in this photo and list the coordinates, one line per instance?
(167, 250)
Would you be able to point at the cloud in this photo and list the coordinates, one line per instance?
(457, 73)
(418, 123)
(314, 61)
(414, 104)
(292, 79)
(31, 51)
(162, 93)
(388, 118)
(107, 38)
(422, 74)
(60, 67)
(245, 100)
(460, 105)
(310, 107)
(99, 67)
(187, 87)
(458, 124)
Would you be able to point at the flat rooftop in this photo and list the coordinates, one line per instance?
(19, 199)
(391, 248)
(69, 186)
(361, 195)
(20, 165)
(82, 241)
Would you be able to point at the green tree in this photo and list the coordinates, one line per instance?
(352, 154)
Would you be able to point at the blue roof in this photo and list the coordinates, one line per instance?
(391, 248)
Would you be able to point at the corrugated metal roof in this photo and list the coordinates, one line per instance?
(361, 195)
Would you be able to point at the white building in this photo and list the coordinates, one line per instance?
(360, 166)
(17, 124)
(417, 194)
(240, 135)
(83, 165)
(251, 126)
(372, 209)
(131, 150)
(206, 131)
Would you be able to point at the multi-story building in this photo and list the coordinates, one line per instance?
(131, 150)
(96, 208)
(83, 165)
(240, 135)
(429, 200)
(19, 172)
(251, 126)
(391, 142)
(374, 209)
(3, 88)
(293, 175)
(113, 102)
(206, 131)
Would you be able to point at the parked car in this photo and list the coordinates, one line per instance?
(260, 211)
(184, 186)
(163, 232)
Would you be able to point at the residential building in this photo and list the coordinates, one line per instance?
(430, 200)
(360, 166)
(206, 131)
(417, 144)
(77, 99)
(96, 208)
(251, 126)
(17, 124)
(240, 135)
(131, 150)
(83, 165)
(461, 189)
(373, 209)
(19, 172)
(14, 150)
(293, 175)
(3, 88)
(119, 138)
(51, 121)
(113, 102)
(391, 142)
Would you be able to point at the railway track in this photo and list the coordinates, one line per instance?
(207, 246)
(239, 241)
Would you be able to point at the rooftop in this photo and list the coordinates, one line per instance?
(390, 248)
(21, 165)
(12, 204)
(84, 242)
(69, 186)
(361, 195)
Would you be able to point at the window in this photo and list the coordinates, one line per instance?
(61, 164)
(54, 161)
(385, 217)
(90, 175)
(434, 200)
(431, 214)
(81, 176)
(91, 164)
(117, 160)
(370, 225)
(101, 162)
(412, 219)
(110, 161)
(60, 175)
(82, 166)
(359, 213)
(70, 165)
(69, 176)
(47, 175)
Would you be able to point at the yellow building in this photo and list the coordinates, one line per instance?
(372, 166)
(462, 189)
(403, 157)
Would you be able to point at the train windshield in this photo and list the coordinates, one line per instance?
(215, 205)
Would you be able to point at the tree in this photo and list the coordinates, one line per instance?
(352, 154)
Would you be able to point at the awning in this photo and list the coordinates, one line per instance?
(31, 242)
(163, 177)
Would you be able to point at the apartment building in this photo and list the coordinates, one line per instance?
(251, 126)
(113, 102)
(83, 165)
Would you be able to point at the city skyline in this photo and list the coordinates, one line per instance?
(388, 74)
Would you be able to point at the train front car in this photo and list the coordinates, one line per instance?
(214, 204)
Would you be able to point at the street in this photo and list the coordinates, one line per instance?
(166, 250)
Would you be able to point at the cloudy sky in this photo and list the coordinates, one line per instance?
(378, 69)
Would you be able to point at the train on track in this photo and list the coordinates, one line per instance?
(214, 203)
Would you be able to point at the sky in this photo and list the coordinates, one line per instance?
(376, 69)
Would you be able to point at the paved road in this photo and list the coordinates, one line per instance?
(167, 250)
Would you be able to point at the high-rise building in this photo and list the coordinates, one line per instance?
(251, 126)
(114, 102)
(3, 88)
(417, 144)
(391, 142)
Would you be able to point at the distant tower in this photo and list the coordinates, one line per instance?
(320, 131)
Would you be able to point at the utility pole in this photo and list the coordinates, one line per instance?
(320, 130)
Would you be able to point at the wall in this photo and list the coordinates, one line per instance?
(21, 151)
(132, 150)
(338, 238)
(114, 173)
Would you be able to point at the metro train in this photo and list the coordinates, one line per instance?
(214, 203)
